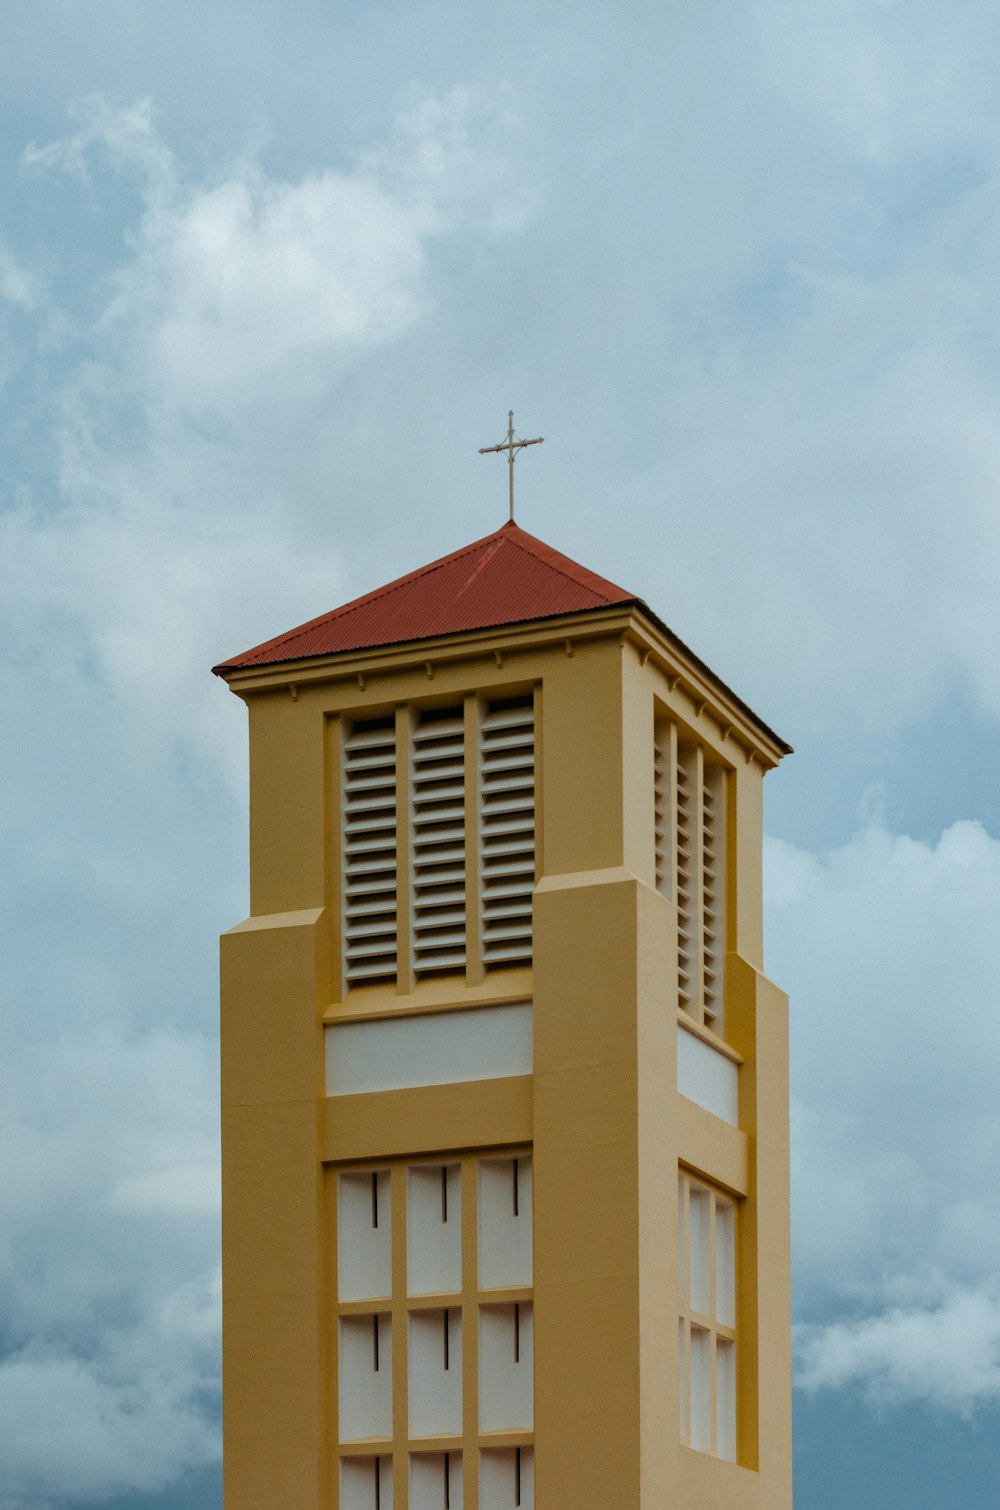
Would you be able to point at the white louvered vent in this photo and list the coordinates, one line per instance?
(701, 885)
(712, 891)
(662, 797)
(369, 850)
(507, 829)
(438, 841)
(686, 879)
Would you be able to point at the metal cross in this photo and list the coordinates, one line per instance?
(511, 446)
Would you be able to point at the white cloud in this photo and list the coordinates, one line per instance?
(890, 951)
(243, 302)
(257, 274)
(857, 507)
(948, 1355)
(246, 280)
(186, 1188)
(127, 134)
(819, 282)
(892, 80)
(17, 285)
(167, 539)
(72, 1432)
(108, 1263)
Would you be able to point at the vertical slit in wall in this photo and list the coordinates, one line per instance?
(375, 1342)
(517, 1334)
(378, 1483)
(517, 1476)
(374, 1200)
(447, 1481)
(444, 1192)
(447, 1360)
(515, 1186)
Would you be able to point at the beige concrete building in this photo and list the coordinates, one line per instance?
(505, 1137)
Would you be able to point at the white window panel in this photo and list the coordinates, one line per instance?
(707, 1076)
(504, 1223)
(366, 1483)
(364, 1235)
(365, 1377)
(506, 1368)
(684, 1374)
(436, 1481)
(369, 850)
(507, 1478)
(434, 1229)
(725, 1399)
(435, 1363)
(682, 1241)
(701, 1389)
(725, 1263)
(699, 1227)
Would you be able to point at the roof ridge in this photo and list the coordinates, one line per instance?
(546, 554)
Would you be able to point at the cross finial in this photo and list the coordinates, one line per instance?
(511, 446)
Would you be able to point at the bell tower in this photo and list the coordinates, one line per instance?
(504, 1088)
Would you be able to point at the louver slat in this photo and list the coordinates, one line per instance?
(700, 840)
(438, 828)
(712, 892)
(661, 809)
(507, 830)
(685, 885)
(369, 851)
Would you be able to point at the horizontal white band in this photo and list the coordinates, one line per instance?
(433, 1048)
(708, 1077)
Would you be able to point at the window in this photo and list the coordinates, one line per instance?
(689, 820)
(454, 1316)
(706, 1267)
(459, 781)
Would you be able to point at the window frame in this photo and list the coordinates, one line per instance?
(722, 1439)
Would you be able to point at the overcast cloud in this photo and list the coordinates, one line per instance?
(269, 277)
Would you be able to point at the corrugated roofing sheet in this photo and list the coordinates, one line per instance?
(506, 578)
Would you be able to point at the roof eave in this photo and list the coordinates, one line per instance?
(633, 616)
(399, 653)
(702, 678)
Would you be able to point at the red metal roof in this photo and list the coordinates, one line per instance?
(506, 578)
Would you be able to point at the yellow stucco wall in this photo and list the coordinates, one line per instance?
(600, 1110)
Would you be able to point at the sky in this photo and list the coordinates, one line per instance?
(270, 275)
